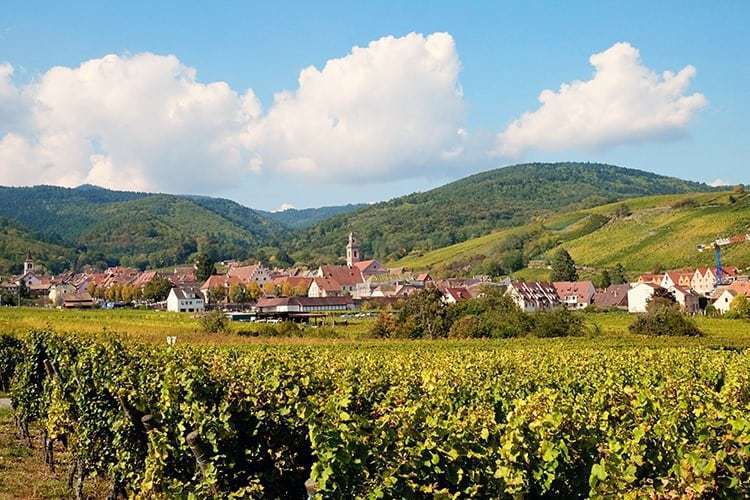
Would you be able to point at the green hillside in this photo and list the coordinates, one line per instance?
(476, 205)
(642, 234)
(102, 227)
(15, 243)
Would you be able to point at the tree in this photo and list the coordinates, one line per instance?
(204, 267)
(237, 294)
(563, 267)
(214, 322)
(157, 289)
(618, 275)
(424, 315)
(739, 308)
(622, 211)
(269, 288)
(217, 294)
(253, 291)
(604, 279)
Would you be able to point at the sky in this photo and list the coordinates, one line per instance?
(322, 103)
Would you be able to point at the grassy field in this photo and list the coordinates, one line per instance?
(662, 230)
(155, 326)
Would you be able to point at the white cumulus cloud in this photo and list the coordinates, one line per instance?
(394, 107)
(135, 122)
(624, 102)
(146, 122)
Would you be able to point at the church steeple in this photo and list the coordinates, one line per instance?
(28, 264)
(352, 251)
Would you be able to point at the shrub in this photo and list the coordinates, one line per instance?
(10, 356)
(664, 319)
(684, 203)
(214, 322)
(739, 308)
(558, 323)
(468, 327)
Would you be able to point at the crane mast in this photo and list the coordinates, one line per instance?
(717, 245)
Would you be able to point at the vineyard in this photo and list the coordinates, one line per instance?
(567, 418)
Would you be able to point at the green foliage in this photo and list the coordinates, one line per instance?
(10, 356)
(446, 420)
(665, 319)
(558, 323)
(618, 276)
(157, 289)
(204, 267)
(474, 206)
(739, 308)
(563, 267)
(214, 321)
(605, 280)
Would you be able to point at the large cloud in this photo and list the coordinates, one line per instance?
(138, 122)
(146, 122)
(624, 102)
(393, 106)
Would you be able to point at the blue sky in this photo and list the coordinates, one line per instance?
(508, 53)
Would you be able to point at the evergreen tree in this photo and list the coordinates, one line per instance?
(604, 279)
(618, 275)
(204, 267)
(563, 267)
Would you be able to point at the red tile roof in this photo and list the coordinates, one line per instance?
(343, 275)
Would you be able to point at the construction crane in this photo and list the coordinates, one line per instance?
(717, 245)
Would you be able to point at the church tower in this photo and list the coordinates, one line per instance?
(352, 251)
(28, 264)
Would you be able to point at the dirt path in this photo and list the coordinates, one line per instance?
(4, 403)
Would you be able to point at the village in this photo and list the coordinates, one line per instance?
(256, 292)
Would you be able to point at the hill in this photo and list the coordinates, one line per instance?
(301, 218)
(642, 234)
(92, 225)
(476, 205)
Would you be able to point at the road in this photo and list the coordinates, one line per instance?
(4, 403)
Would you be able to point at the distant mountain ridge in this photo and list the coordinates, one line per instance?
(301, 218)
(475, 205)
(93, 225)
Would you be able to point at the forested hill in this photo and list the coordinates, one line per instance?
(300, 218)
(476, 205)
(92, 225)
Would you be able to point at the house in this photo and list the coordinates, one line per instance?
(324, 287)
(423, 279)
(612, 297)
(217, 281)
(370, 268)
(533, 296)
(653, 278)
(144, 279)
(640, 295)
(304, 304)
(293, 285)
(57, 293)
(704, 279)
(246, 274)
(682, 278)
(454, 295)
(278, 305)
(185, 299)
(575, 294)
(78, 301)
(688, 301)
(727, 294)
(346, 277)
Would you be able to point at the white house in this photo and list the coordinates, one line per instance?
(535, 296)
(185, 300)
(57, 292)
(724, 301)
(640, 295)
(687, 300)
(575, 294)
